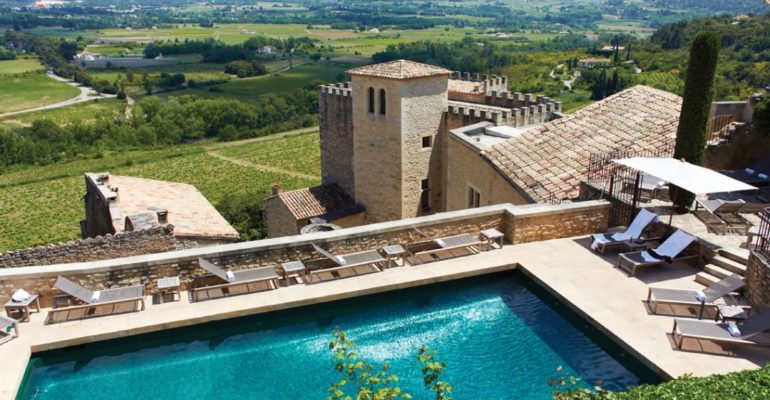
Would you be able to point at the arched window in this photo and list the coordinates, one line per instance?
(382, 101)
(371, 100)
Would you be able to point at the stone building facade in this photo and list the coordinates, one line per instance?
(384, 136)
(405, 139)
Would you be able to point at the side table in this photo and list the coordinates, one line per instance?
(23, 306)
(292, 268)
(168, 285)
(491, 236)
(393, 252)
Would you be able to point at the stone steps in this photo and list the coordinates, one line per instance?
(741, 259)
(716, 271)
(729, 265)
(724, 264)
(706, 279)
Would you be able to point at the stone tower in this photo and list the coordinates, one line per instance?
(397, 110)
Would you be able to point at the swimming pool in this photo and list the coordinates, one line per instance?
(497, 337)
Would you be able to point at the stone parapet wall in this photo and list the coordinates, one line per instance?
(758, 281)
(520, 224)
(155, 240)
(543, 222)
(501, 115)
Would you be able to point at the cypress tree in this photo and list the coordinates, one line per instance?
(696, 105)
(600, 86)
(628, 52)
(615, 83)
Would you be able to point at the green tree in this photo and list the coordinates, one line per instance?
(761, 117)
(147, 86)
(696, 105)
(359, 376)
(431, 372)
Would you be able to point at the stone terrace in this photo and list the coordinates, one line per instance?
(550, 244)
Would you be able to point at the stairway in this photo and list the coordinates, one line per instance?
(722, 265)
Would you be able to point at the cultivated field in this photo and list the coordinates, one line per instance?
(20, 66)
(22, 91)
(41, 205)
(83, 113)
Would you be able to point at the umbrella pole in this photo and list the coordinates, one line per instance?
(673, 205)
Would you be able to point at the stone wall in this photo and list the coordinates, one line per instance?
(155, 240)
(743, 149)
(521, 224)
(541, 222)
(468, 169)
(280, 221)
(98, 219)
(422, 110)
(758, 281)
(335, 117)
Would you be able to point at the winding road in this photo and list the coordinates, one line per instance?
(86, 94)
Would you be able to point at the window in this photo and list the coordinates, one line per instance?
(426, 141)
(474, 198)
(382, 101)
(425, 195)
(371, 100)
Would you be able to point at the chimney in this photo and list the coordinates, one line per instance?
(162, 214)
(276, 188)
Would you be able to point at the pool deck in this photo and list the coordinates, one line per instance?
(584, 280)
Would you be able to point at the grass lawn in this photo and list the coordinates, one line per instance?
(22, 91)
(40, 205)
(83, 113)
(19, 66)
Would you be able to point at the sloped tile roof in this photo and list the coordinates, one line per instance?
(317, 201)
(461, 86)
(399, 69)
(553, 158)
(188, 210)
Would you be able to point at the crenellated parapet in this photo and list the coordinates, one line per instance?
(482, 83)
(336, 89)
(531, 111)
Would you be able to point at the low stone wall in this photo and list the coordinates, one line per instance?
(155, 240)
(537, 223)
(520, 224)
(758, 281)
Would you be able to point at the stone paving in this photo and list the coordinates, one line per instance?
(587, 282)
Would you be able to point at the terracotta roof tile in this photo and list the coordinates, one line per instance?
(462, 86)
(552, 158)
(317, 201)
(399, 69)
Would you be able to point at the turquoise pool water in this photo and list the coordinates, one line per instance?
(498, 339)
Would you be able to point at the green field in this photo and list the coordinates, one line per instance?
(669, 81)
(83, 113)
(22, 91)
(280, 83)
(40, 205)
(20, 66)
(345, 42)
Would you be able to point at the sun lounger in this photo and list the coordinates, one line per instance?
(334, 265)
(603, 241)
(749, 331)
(648, 186)
(721, 216)
(443, 248)
(700, 298)
(235, 282)
(9, 329)
(668, 251)
(97, 302)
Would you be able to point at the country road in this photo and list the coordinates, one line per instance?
(85, 95)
